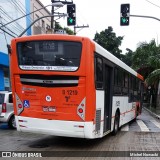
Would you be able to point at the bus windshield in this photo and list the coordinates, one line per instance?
(49, 55)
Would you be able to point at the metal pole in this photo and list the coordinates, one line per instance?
(23, 16)
(52, 18)
(145, 17)
(74, 30)
(62, 15)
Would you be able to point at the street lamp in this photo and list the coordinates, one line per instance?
(57, 4)
(60, 15)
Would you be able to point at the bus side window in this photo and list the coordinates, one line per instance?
(99, 72)
(118, 77)
(125, 83)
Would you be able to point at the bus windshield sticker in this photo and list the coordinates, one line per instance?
(26, 104)
(46, 68)
(48, 98)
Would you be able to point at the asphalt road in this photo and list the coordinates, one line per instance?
(134, 138)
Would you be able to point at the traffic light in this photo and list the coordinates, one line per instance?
(125, 11)
(71, 11)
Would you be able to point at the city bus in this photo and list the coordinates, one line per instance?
(70, 86)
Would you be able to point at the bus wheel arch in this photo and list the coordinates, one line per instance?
(116, 122)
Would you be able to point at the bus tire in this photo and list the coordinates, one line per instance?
(12, 122)
(137, 111)
(116, 123)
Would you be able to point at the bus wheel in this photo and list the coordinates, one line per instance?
(137, 111)
(12, 122)
(116, 124)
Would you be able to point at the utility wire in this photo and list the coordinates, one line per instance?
(7, 32)
(10, 19)
(11, 26)
(153, 3)
(20, 10)
(24, 12)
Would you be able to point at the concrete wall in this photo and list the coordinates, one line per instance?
(41, 26)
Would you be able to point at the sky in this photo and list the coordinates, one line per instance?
(103, 13)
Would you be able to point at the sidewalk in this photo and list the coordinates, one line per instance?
(151, 112)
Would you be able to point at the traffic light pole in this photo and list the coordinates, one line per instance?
(52, 18)
(79, 27)
(141, 16)
(52, 12)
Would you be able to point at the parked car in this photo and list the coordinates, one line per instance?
(6, 109)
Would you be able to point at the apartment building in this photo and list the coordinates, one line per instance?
(9, 11)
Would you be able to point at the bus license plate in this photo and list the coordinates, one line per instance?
(49, 109)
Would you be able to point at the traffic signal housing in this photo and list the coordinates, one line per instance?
(71, 11)
(125, 12)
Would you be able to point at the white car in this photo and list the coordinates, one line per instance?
(6, 109)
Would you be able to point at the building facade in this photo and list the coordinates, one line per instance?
(9, 11)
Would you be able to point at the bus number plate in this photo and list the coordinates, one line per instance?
(49, 109)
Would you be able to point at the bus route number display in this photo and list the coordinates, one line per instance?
(48, 46)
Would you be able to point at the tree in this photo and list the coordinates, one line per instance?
(68, 31)
(127, 58)
(108, 40)
(142, 57)
(153, 77)
(147, 60)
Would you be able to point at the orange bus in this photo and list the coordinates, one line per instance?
(70, 86)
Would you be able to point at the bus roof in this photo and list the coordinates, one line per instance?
(115, 60)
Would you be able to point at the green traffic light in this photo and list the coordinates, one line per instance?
(124, 20)
(70, 20)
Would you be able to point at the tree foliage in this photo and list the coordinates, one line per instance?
(142, 54)
(68, 31)
(127, 58)
(108, 40)
(153, 77)
(146, 60)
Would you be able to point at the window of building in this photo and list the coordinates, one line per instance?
(43, 24)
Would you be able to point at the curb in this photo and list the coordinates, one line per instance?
(157, 116)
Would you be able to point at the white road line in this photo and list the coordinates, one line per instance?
(143, 127)
(125, 128)
(156, 123)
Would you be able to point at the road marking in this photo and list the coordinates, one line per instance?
(125, 128)
(156, 123)
(143, 127)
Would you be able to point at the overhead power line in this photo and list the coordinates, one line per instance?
(22, 11)
(153, 3)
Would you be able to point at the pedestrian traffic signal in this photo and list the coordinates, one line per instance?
(71, 11)
(124, 17)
